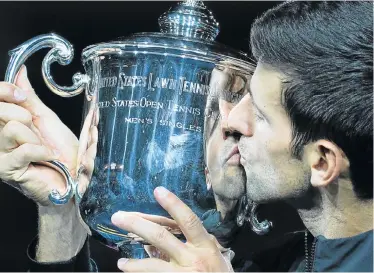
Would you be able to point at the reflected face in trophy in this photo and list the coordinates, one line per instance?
(224, 172)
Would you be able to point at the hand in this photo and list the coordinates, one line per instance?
(30, 132)
(199, 253)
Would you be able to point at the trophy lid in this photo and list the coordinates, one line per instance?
(187, 30)
(190, 19)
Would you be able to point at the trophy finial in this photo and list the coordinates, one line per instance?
(193, 3)
(190, 19)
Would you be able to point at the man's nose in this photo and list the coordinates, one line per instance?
(237, 119)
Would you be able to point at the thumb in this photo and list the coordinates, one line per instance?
(32, 102)
(22, 80)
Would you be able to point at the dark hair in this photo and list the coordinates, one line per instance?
(325, 51)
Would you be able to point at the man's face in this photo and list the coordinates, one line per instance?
(272, 172)
(225, 174)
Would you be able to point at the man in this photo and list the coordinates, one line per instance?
(225, 176)
(307, 139)
(29, 124)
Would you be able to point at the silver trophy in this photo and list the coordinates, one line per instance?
(145, 111)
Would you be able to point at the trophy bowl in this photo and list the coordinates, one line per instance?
(147, 101)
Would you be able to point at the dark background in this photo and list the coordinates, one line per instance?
(85, 23)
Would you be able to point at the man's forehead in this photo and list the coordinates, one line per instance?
(266, 85)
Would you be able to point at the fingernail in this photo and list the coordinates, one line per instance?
(117, 218)
(161, 192)
(121, 262)
(19, 94)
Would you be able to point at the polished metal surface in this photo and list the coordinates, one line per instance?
(148, 104)
(55, 196)
(190, 19)
(62, 52)
(258, 227)
(247, 211)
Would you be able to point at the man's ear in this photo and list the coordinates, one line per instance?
(207, 179)
(327, 162)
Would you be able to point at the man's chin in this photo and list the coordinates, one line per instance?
(257, 200)
(231, 195)
(260, 197)
(233, 171)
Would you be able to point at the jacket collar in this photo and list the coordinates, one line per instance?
(344, 254)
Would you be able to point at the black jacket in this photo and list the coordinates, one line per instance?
(344, 255)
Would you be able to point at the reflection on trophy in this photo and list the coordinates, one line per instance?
(144, 115)
(225, 175)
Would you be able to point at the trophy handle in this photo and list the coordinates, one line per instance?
(62, 52)
(260, 228)
(247, 211)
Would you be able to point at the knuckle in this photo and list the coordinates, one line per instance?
(6, 89)
(206, 261)
(161, 235)
(10, 128)
(200, 264)
(191, 221)
(27, 149)
(213, 240)
(26, 117)
(213, 252)
(10, 112)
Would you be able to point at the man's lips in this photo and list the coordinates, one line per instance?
(234, 156)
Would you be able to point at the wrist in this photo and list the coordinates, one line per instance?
(61, 235)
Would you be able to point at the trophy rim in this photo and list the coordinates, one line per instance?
(171, 45)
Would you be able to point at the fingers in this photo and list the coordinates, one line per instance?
(88, 159)
(15, 134)
(85, 136)
(147, 265)
(152, 233)
(32, 102)
(187, 221)
(92, 144)
(15, 164)
(19, 147)
(163, 221)
(24, 95)
(9, 112)
(22, 80)
(11, 93)
(154, 252)
(27, 153)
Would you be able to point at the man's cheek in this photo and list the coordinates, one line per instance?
(275, 142)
